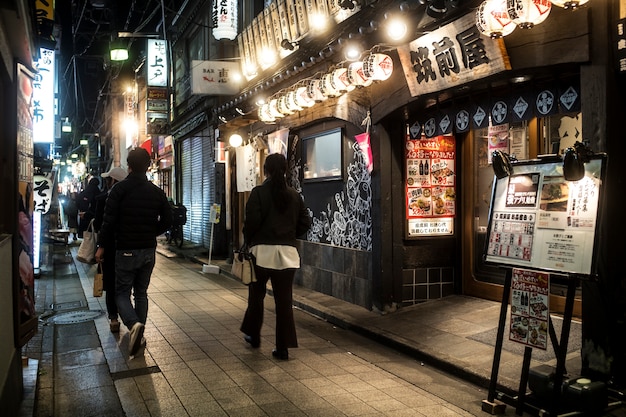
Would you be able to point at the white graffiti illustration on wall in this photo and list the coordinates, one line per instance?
(350, 223)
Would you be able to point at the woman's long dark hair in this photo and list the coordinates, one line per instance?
(275, 168)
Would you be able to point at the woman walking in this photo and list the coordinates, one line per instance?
(275, 216)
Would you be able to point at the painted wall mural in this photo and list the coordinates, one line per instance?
(347, 221)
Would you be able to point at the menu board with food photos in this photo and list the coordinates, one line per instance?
(540, 220)
(430, 186)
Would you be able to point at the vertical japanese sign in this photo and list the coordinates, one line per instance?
(430, 186)
(157, 63)
(452, 55)
(43, 98)
(530, 295)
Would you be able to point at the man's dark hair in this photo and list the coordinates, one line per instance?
(138, 160)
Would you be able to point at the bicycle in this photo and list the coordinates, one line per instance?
(175, 233)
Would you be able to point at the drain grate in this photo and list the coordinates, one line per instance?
(73, 317)
(67, 305)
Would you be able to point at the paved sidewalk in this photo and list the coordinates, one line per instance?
(196, 363)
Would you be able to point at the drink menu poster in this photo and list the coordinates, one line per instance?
(430, 186)
(530, 295)
(540, 220)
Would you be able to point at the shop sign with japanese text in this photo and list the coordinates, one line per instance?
(452, 55)
(214, 78)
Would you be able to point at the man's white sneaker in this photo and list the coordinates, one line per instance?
(136, 334)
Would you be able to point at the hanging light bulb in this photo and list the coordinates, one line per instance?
(235, 140)
(492, 19)
(569, 4)
(528, 13)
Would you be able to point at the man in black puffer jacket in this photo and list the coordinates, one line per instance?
(136, 212)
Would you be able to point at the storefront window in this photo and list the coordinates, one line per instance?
(322, 156)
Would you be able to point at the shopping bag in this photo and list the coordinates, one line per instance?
(87, 248)
(243, 265)
(98, 283)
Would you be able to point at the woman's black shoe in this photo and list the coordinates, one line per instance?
(255, 342)
(282, 354)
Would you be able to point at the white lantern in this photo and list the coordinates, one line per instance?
(290, 101)
(274, 108)
(356, 76)
(492, 19)
(528, 13)
(326, 86)
(569, 4)
(378, 67)
(225, 19)
(264, 113)
(340, 81)
(282, 105)
(314, 92)
(302, 97)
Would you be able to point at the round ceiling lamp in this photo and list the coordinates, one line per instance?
(528, 13)
(235, 140)
(378, 67)
(356, 76)
(492, 19)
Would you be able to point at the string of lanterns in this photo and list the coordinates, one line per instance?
(498, 18)
(338, 81)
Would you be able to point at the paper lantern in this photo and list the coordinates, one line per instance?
(492, 19)
(290, 101)
(282, 105)
(302, 97)
(528, 13)
(264, 113)
(314, 92)
(356, 76)
(340, 82)
(569, 4)
(378, 67)
(273, 109)
(326, 87)
(225, 19)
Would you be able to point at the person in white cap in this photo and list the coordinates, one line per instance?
(113, 176)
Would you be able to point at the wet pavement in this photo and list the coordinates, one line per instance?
(432, 359)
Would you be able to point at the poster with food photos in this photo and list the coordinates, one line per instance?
(530, 294)
(540, 220)
(430, 185)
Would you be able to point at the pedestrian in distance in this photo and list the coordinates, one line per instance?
(71, 211)
(135, 213)
(113, 176)
(275, 217)
(84, 200)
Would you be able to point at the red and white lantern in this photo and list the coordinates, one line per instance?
(314, 91)
(302, 97)
(492, 19)
(378, 67)
(356, 76)
(528, 13)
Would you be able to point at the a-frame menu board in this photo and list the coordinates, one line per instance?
(538, 220)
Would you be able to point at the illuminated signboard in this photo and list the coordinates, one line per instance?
(157, 63)
(43, 98)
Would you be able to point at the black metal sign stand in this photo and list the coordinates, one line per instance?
(496, 401)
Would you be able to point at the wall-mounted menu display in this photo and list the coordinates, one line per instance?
(539, 220)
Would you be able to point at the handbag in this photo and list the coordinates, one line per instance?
(243, 265)
(87, 248)
(98, 281)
